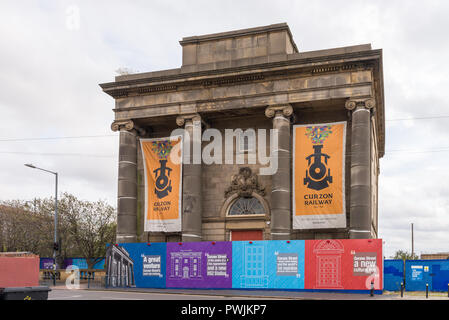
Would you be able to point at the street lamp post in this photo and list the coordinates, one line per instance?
(56, 209)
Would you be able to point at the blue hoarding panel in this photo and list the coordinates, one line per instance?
(275, 264)
(435, 273)
(417, 275)
(79, 262)
(286, 264)
(440, 275)
(99, 264)
(82, 263)
(393, 274)
(149, 263)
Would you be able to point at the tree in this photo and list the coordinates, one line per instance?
(404, 255)
(90, 225)
(84, 228)
(23, 229)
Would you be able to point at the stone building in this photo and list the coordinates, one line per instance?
(251, 78)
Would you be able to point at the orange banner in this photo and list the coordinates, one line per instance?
(318, 176)
(163, 184)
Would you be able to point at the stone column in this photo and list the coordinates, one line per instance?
(127, 182)
(192, 179)
(281, 212)
(360, 191)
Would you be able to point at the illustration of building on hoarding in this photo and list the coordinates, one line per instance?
(119, 267)
(254, 267)
(185, 265)
(328, 264)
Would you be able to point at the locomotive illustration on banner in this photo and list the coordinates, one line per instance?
(318, 175)
(163, 182)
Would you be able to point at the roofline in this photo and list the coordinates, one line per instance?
(292, 59)
(240, 33)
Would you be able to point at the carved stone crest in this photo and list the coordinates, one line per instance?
(244, 184)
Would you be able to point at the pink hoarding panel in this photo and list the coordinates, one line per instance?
(19, 271)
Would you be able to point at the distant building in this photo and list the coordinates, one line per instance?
(256, 78)
(435, 256)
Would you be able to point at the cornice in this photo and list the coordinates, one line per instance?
(314, 65)
(232, 79)
(241, 97)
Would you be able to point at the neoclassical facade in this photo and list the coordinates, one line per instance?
(252, 78)
(119, 267)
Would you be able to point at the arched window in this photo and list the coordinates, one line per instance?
(246, 206)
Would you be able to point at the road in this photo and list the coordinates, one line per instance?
(66, 294)
(62, 293)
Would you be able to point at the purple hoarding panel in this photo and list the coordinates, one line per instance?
(199, 265)
(67, 262)
(46, 263)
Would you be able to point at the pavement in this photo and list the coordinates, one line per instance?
(62, 293)
(93, 294)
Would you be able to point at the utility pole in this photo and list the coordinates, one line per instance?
(413, 247)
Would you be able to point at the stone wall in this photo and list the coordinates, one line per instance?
(216, 178)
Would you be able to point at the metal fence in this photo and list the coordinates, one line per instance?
(49, 278)
(85, 279)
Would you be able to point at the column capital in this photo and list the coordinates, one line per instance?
(118, 125)
(129, 126)
(285, 110)
(181, 120)
(352, 104)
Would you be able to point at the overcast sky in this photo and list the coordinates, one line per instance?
(53, 55)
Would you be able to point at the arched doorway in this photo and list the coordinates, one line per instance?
(246, 217)
(246, 206)
(245, 210)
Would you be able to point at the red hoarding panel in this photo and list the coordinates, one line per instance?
(19, 271)
(343, 264)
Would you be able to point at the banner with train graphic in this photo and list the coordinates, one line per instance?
(319, 176)
(162, 159)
